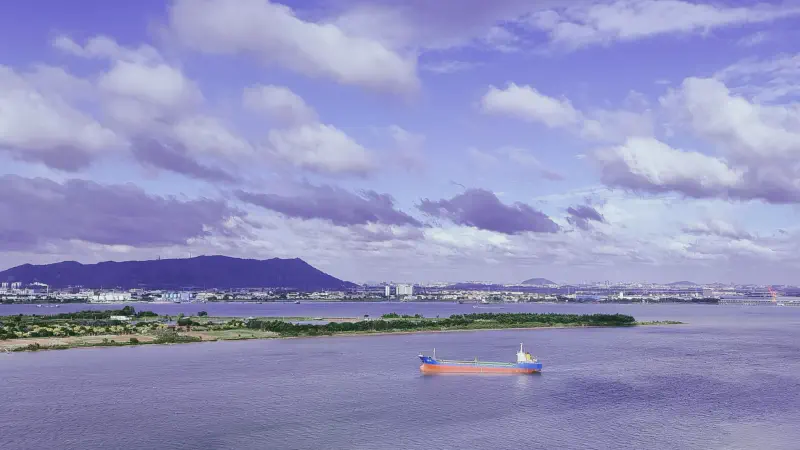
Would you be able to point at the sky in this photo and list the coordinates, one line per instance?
(421, 141)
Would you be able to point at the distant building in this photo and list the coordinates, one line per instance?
(387, 291)
(110, 297)
(405, 290)
(16, 285)
(4, 285)
(177, 296)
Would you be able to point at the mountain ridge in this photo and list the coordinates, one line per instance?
(212, 271)
(682, 283)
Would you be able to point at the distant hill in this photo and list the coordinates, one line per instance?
(537, 282)
(200, 272)
(474, 286)
(682, 283)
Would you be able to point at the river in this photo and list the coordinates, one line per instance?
(728, 379)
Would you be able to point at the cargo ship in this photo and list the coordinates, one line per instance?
(525, 364)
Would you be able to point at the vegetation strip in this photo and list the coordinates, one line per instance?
(129, 327)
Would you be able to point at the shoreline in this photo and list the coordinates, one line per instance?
(58, 343)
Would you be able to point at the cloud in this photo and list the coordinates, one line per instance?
(274, 34)
(104, 47)
(139, 86)
(376, 232)
(301, 140)
(160, 85)
(333, 204)
(649, 165)
(321, 148)
(527, 103)
(765, 80)
(754, 39)
(36, 124)
(37, 211)
(155, 107)
(501, 39)
(175, 158)
(207, 135)
(759, 144)
(280, 103)
(482, 209)
(581, 215)
(518, 157)
(601, 23)
(448, 66)
(716, 227)
(407, 151)
(425, 25)
(747, 130)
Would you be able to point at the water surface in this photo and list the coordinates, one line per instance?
(729, 379)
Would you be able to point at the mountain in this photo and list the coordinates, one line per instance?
(537, 282)
(682, 283)
(200, 272)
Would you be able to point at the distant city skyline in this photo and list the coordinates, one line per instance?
(572, 140)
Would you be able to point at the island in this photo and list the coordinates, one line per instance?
(126, 326)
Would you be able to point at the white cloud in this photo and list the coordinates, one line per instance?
(139, 90)
(104, 47)
(765, 80)
(758, 149)
(273, 33)
(407, 148)
(746, 131)
(754, 39)
(716, 227)
(40, 125)
(516, 157)
(625, 20)
(157, 108)
(321, 148)
(206, 134)
(615, 125)
(500, 39)
(405, 138)
(280, 103)
(649, 165)
(303, 141)
(448, 66)
(466, 238)
(159, 85)
(526, 103)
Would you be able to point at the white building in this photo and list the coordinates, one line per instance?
(387, 291)
(110, 297)
(405, 290)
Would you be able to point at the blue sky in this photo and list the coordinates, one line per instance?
(409, 141)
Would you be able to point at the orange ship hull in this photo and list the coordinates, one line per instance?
(447, 368)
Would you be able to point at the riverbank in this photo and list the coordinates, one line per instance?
(127, 327)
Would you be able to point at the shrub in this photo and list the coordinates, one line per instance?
(172, 337)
